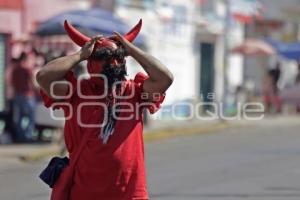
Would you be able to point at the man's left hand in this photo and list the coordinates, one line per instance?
(125, 43)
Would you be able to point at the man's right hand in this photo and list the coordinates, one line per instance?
(87, 50)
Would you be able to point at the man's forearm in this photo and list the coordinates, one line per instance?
(57, 69)
(155, 69)
(160, 78)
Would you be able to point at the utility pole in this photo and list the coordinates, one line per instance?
(227, 22)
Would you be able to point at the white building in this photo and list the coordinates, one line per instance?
(169, 31)
(281, 22)
(189, 42)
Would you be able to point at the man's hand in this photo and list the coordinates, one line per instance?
(160, 78)
(87, 50)
(125, 43)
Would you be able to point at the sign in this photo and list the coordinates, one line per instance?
(246, 10)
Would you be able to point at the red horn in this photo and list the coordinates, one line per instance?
(75, 35)
(131, 35)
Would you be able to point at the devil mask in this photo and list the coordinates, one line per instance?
(105, 50)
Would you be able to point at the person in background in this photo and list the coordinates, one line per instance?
(270, 89)
(298, 74)
(275, 75)
(23, 100)
(297, 82)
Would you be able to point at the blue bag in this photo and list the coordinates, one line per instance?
(51, 173)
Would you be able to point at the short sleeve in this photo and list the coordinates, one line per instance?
(152, 106)
(49, 102)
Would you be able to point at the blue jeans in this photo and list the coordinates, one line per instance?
(23, 117)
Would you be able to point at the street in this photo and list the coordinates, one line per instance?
(254, 162)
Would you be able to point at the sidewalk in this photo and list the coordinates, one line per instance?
(157, 130)
(28, 151)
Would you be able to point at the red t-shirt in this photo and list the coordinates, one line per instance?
(22, 81)
(111, 171)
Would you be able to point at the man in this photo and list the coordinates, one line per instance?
(297, 80)
(111, 166)
(23, 100)
(276, 73)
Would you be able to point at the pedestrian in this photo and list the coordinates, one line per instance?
(270, 89)
(23, 100)
(275, 75)
(297, 81)
(111, 164)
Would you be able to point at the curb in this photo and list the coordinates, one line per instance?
(152, 136)
(149, 136)
(41, 154)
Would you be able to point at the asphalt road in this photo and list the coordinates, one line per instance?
(256, 162)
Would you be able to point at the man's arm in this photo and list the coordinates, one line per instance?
(160, 78)
(58, 68)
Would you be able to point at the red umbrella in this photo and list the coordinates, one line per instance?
(254, 47)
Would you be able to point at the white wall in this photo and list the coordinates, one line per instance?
(173, 47)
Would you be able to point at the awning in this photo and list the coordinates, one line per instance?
(91, 22)
(286, 50)
(269, 47)
(254, 47)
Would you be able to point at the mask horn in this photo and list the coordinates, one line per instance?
(132, 34)
(75, 35)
